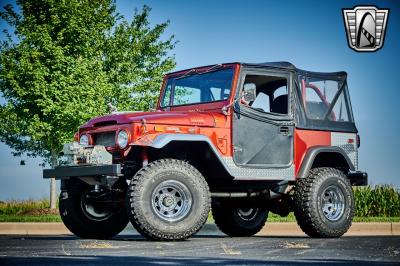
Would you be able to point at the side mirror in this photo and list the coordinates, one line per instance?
(249, 92)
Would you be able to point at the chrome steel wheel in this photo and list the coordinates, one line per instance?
(171, 200)
(247, 214)
(333, 203)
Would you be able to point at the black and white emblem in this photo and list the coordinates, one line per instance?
(365, 26)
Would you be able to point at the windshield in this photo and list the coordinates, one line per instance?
(198, 88)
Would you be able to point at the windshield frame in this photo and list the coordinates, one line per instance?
(195, 71)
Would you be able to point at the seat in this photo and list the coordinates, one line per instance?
(280, 104)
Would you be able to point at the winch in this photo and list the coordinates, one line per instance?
(75, 153)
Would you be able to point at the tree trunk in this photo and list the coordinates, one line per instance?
(53, 189)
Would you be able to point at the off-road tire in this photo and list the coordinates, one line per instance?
(231, 222)
(81, 225)
(142, 213)
(308, 203)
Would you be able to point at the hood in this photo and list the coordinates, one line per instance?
(169, 118)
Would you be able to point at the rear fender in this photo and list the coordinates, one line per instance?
(314, 152)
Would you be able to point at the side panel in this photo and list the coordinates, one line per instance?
(348, 142)
(306, 139)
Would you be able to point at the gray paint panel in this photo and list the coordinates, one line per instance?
(342, 140)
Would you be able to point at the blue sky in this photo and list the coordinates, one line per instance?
(309, 34)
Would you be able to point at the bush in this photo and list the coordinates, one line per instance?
(382, 201)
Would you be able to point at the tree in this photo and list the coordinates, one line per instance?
(65, 60)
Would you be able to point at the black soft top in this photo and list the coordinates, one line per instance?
(341, 75)
(289, 66)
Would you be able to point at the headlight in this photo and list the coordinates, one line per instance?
(122, 139)
(84, 140)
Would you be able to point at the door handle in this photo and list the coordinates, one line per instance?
(284, 130)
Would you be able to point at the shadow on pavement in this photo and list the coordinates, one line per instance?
(109, 260)
(129, 237)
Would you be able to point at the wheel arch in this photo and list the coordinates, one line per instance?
(322, 156)
(198, 149)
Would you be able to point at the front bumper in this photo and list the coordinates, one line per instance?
(65, 172)
(358, 178)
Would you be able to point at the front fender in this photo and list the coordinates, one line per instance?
(158, 141)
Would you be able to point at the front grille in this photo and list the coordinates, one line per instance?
(104, 138)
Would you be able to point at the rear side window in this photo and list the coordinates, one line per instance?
(341, 110)
(325, 99)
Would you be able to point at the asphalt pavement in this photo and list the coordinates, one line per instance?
(208, 247)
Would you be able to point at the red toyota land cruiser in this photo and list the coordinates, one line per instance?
(241, 139)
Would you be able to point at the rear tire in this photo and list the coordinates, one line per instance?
(324, 203)
(90, 220)
(238, 222)
(168, 200)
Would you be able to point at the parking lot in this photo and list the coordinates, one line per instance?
(208, 247)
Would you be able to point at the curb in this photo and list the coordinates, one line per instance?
(33, 229)
(357, 229)
(271, 229)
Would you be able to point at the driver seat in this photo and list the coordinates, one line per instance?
(280, 104)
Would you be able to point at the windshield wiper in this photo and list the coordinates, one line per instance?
(187, 73)
(210, 69)
(193, 71)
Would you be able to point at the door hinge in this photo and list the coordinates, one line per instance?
(237, 149)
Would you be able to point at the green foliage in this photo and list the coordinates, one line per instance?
(24, 206)
(381, 201)
(66, 60)
(30, 218)
(373, 204)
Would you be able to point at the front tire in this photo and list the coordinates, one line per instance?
(324, 203)
(91, 219)
(238, 222)
(168, 200)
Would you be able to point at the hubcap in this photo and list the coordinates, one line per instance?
(92, 210)
(171, 200)
(247, 214)
(332, 203)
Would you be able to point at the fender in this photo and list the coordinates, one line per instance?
(162, 140)
(312, 154)
(159, 141)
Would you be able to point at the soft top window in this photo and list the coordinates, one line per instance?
(325, 99)
(326, 103)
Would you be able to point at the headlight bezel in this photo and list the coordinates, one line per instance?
(124, 144)
(84, 136)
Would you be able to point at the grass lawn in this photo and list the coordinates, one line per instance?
(30, 218)
(374, 204)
